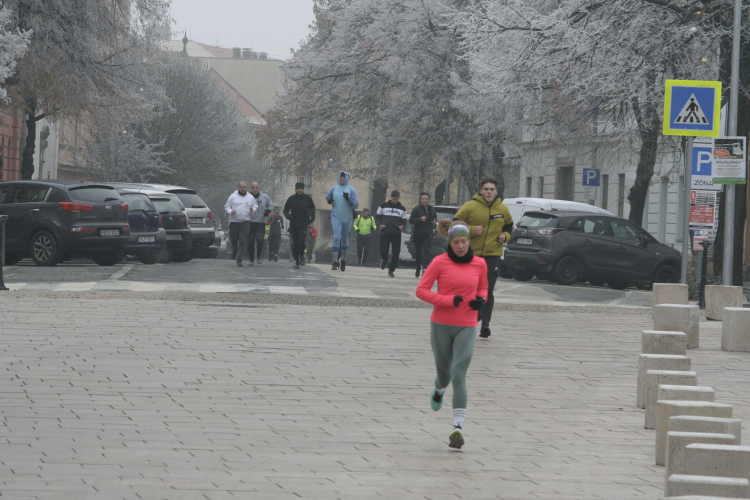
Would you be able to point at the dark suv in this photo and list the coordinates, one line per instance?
(568, 247)
(51, 221)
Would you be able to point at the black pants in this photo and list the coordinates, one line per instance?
(298, 235)
(493, 267)
(363, 247)
(255, 237)
(423, 247)
(238, 238)
(274, 243)
(394, 242)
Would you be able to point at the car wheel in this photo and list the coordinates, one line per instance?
(522, 274)
(109, 259)
(183, 256)
(568, 270)
(12, 258)
(597, 281)
(44, 249)
(618, 285)
(150, 256)
(666, 274)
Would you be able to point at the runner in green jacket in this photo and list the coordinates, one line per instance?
(364, 225)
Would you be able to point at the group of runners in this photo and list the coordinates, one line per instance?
(465, 274)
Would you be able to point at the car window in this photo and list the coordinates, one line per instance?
(30, 194)
(56, 196)
(625, 230)
(138, 202)
(538, 221)
(594, 225)
(94, 194)
(576, 226)
(5, 191)
(191, 200)
(165, 205)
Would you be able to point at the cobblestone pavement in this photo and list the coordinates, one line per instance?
(132, 399)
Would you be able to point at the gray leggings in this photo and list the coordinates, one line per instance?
(452, 347)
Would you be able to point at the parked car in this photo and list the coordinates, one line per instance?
(148, 238)
(575, 246)
(438, 242)
(175, 222)
(51, 221)
(216, 247)
(519, 206)
(200, 217)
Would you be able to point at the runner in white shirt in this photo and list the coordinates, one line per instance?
(240, 206)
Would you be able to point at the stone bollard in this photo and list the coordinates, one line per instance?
(712, 425)
(678, 318)
(666, 409)
(720, 460)
(677, 441)
(718, 297)
(735, 329)
(675, 393)
(655, 378)
(679, 485)
(653, 342)
(648, 362)
(669, 293)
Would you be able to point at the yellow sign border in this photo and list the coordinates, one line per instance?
(668, 108)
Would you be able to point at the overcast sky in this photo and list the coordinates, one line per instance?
(272, 26)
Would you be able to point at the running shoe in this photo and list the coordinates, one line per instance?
(484, 332)
(436, 400)
(251, 263)
(382, 263)
(391, 275)
(302, 262)
(296, 265)
(456, 438)
(334, 266)
(416, 274)
(260, 260)
(343, 265)
(239, 263)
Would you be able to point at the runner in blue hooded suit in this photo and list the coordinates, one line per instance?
(343, 199)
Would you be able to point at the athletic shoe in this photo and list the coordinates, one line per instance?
(334, 266)
(260, 260)
(484, 332)
(391, 275)
(436, 400)
(416, 274)
(422, 272)
(296, 265)
(343, 265)
(251, 263)
(456, 438)
(302, 262)
(382, 263)
(239, 263)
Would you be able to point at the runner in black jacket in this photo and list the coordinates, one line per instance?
(300, 212)
(391, 219)
(423, 219)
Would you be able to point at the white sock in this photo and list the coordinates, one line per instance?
(459, 414)
(440, 391)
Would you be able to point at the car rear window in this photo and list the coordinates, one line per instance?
(538, 221)
(94, 194)
(165, 205)
(138, 202)
(191, 200)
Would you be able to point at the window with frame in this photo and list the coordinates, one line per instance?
(594, 225)
(4, 191)
(626, 230)
(31, 194)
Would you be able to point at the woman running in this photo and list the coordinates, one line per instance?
(462, 290)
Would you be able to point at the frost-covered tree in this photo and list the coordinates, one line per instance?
(123, 156)
(13, 44)
(89, 57)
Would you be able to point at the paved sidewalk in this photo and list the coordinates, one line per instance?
(169, 400)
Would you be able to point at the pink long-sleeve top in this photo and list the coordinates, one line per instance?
(467, 280)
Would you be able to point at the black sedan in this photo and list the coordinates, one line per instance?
(569, 247)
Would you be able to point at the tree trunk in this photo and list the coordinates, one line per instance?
(27, 156)
(649, 127)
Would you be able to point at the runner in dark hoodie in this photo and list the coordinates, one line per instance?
(391, 219)
(423, 220)
(300, 212)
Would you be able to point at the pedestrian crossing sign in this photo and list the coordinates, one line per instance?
(692, 107)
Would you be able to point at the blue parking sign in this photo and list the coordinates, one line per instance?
(591, 177)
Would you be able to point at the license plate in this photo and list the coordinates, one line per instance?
(146, 239)
(524, 241)
(174, 237)
(197, 221)
(109, 232)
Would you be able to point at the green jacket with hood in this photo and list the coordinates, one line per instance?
(495, 220)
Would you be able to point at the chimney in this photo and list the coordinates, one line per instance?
(263, 56)
(246, 53)
(253, 55)
(236, 52)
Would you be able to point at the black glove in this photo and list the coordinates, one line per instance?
(346, 196)
(457, 300)
(357, 230)
(267, 212)
(330, 202)
(477, 303)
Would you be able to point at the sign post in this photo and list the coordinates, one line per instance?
(3, 218)
(691, 108)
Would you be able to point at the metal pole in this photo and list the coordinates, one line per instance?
(686, 224)
(729, 198)
(3, 218)
(704, 272)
